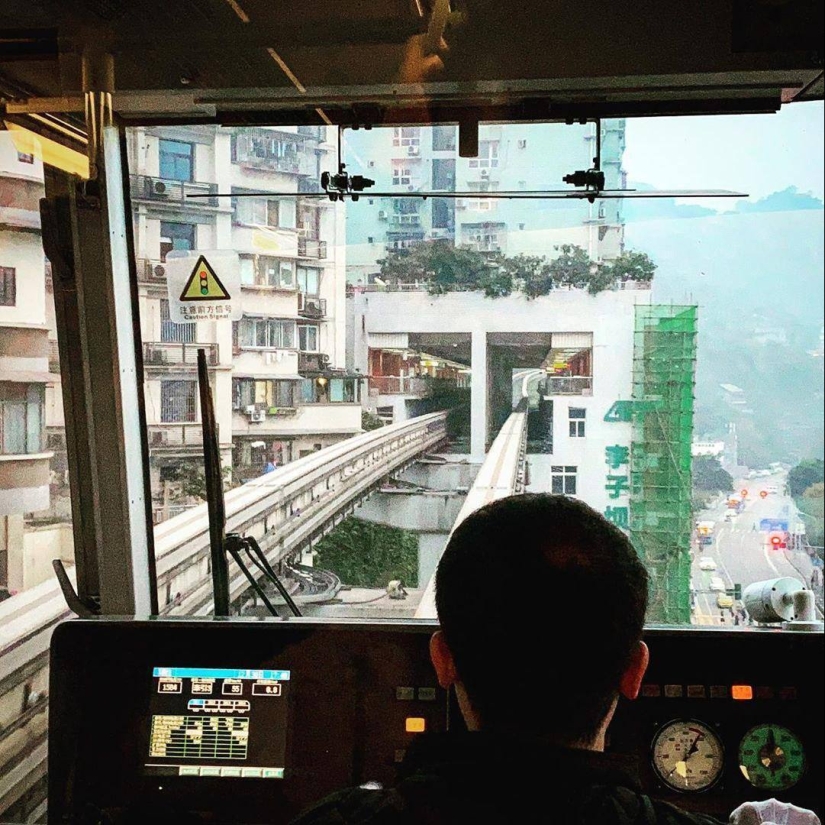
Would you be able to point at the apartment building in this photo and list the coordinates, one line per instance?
(280, 385)
(25, 380)
(515, 157)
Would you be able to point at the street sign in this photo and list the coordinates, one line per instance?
(203, 285)
(769, 525)
(763, 494)
(744, 493)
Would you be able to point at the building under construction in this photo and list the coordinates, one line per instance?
(664, 367)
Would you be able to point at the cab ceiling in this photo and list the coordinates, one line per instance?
(237, 61)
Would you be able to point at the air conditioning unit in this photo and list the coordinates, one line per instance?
(382, 215)
(159, 271)
(255, 415)
(158, 189)
(159, 438)
(413, 151)
(485, 173)
(522, 144)
(324, 358)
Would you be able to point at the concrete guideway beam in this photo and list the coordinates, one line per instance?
(501, 475)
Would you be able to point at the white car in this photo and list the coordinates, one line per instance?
(717, 585)
(707, 563)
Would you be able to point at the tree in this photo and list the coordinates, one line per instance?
(805, 474)
(710, 476)
(370, 421)
(633, 266)
(531, 274)
(572, 268)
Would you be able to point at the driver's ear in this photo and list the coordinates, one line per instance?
(631, 681)
(442, 660)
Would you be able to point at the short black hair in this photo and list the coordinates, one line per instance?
(542, 602)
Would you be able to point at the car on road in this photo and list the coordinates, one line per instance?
(724, 601)
(730, 515)
(707, 563)
(717, 585)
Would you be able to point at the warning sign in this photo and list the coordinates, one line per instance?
(203, 285)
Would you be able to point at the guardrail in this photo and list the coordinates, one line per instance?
(399, 385)
(175, 354)
(568, 385)
(311, 248)
(163, 190)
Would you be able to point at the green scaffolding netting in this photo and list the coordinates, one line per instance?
(664, 368)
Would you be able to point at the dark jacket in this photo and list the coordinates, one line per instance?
(481, 778)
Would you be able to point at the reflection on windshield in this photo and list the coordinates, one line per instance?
(665, 357)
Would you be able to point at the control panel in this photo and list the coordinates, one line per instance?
(245, 722)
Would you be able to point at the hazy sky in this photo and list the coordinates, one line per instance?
(757, 154)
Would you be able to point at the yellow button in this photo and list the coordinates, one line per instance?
(415, 724)
(741, 692)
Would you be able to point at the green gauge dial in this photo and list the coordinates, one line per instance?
(771, 757)
(687, 755)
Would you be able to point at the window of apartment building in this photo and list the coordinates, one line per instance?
(276, 272)
(406, 136)
(308, 338)
(264, 145)
(178, 401)
(265, 392)
(177, 160)
(563, 480)
(482, 238)
(256, 211)
(176, 236)
(21, 418)
(8, 286)
(443, 138)
(487, 155)
(481, 204)
(443, 213)
(309, 221)
(401, 173)
(405, 206)
(25, 157)
(309, 280)
(444, 174)
(266, 333)
(331, 391)
(170, 332)
(576, 421)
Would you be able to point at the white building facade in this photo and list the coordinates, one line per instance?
(589, 452)
(279, 380)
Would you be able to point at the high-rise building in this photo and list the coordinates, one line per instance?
(517, 157)
(278, 377)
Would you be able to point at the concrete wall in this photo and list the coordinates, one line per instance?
(609, 317)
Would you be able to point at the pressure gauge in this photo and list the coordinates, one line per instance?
(687, 755)
(771, 757)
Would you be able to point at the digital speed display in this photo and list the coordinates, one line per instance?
(218, 723)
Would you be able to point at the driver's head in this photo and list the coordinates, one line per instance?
(541, 603)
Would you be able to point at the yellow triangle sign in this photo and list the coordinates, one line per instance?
(203, 284)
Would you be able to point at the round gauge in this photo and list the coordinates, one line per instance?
(687, 755)
(771, 757)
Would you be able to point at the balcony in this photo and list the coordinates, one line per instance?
(310, 362)
(176, 436)
(311, 248)
(310, 306)
(173, 192)
(158, 354)
(273, 151)
(399, 385)
(150, 271)
(568, 385)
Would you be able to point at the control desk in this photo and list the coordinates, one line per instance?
(251, 721)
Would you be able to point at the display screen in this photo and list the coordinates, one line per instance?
(218, 722)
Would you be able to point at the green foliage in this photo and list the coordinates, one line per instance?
(369, 555)
(445, 268)
(370, 422)
(190, 479)
(710, 476)
(633, 266)
(804, 475)
(811, 505)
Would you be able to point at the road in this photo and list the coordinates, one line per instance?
(742, 553)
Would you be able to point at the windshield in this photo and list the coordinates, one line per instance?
(664, 354)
